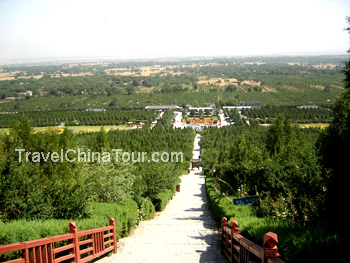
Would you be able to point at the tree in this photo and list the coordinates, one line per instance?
(113, 103)
(130, 90)
(201, 113)
(281, 135)
(334, 148)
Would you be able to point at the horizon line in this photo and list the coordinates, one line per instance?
(70, 59)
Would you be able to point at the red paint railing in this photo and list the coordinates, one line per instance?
(239, 249)
(75, 246)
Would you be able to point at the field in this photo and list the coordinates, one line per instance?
(198, 82)
(321, 126)
(76, 129)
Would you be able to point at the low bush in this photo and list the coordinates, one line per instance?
(296, 243)
(146, 210)
(22, 230)
(220, 205)
(161, 199)
(128, 217)
(125, 213)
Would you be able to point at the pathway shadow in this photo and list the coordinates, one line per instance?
(212, 254)
(213, 251)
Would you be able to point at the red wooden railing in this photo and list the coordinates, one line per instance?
(239, 249)
(75, 246)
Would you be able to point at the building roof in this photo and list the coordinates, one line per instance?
(201, 108)
(95, 110)
(237, 107)
(163, 107)
(308, 107)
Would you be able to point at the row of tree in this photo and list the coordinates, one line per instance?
(78, 117)
(52, 175)
(272, 112)
(279, 164)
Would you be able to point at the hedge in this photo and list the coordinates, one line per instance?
(296, 243)
(220, 206)
(161, 199)
(126, 214)
(147, 210)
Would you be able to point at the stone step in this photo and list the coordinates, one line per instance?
(183, 232)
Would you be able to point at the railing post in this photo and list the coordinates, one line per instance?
(223, 235)
(234, 227)
(112, 223)
(74, 230)
(223, 222)
(25, 255)
(234, 230)
(270, 246)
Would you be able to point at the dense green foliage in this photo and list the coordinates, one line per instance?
(269, 113)
(334, 148)
(35, 188)
(125, 214)
(161, 199)
(38, 189)
(297, 174)
(296, 243)
(278, 163)
(281, 165)
(77, 117)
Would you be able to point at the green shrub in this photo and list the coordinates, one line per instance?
(146, 210)
(32, 188)
(220, 206)
(22, 230)
(296, 243)
(125, 214)
(130, 214)
(161, 199)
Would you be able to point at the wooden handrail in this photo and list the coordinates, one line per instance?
(239, 249)
(79, 247)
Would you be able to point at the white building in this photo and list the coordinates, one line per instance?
(236, 107)
(197, 110)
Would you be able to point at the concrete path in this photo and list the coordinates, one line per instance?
(183, 232)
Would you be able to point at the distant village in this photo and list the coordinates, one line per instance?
(197, 117)
(20, 95)
(209, 116)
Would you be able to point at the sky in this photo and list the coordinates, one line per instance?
(122, 29)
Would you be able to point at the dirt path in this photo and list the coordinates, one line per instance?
(183, 232)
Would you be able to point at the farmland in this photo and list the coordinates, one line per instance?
(134, 85)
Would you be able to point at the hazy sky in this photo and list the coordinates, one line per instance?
(152, 28)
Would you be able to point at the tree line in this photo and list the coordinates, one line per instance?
(78, 117)
(39, 188)
(271, 112)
